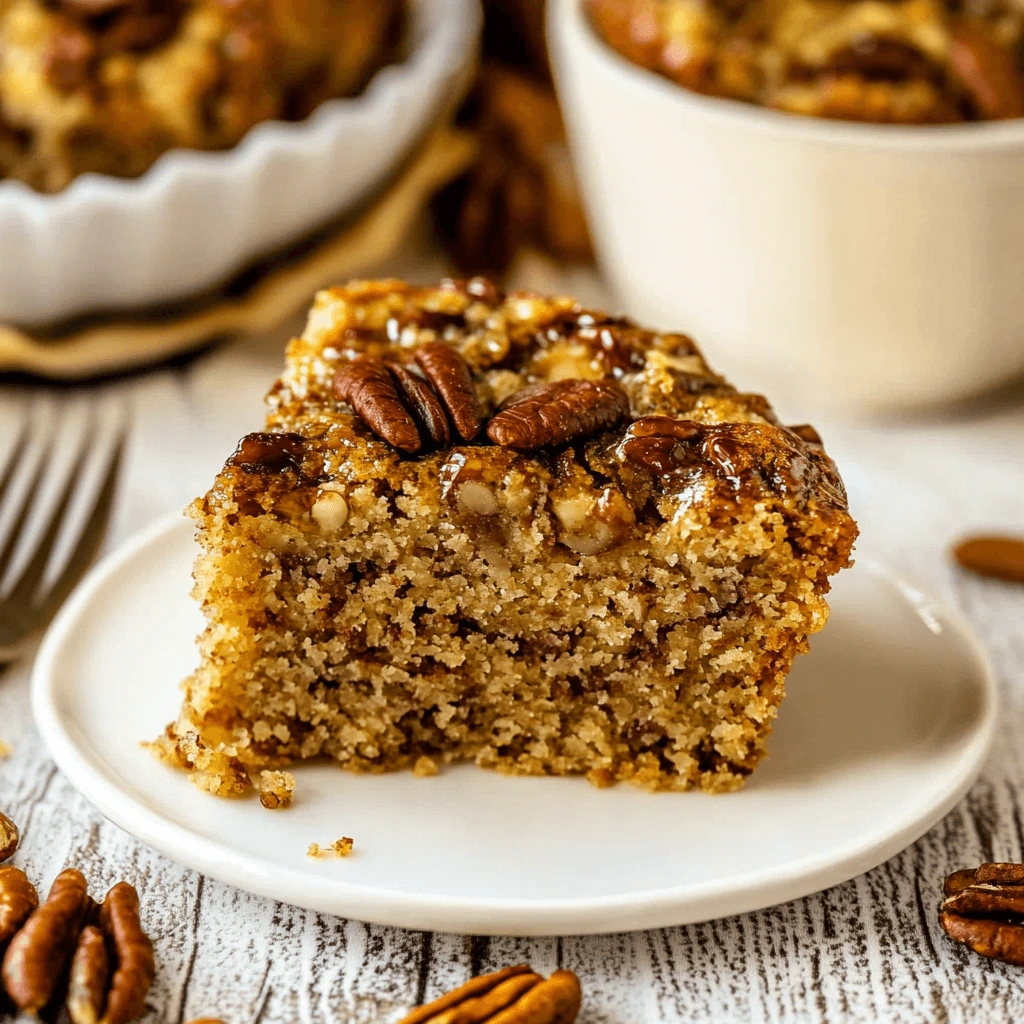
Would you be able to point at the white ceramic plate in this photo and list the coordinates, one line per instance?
(887, 724)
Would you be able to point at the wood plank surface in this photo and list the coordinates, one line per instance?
(869, 950)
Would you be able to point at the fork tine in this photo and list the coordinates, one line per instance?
(18, 526)
(21, 593)
(17, 452)
(90, 537)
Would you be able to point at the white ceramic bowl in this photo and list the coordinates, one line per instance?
(196, 218)
(868, 267)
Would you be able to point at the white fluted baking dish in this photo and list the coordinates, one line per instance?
(196, 218)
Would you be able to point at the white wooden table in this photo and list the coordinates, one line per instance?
(869, 950)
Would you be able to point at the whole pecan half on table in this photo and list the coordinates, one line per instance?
(515, 995)
(9, 837)
(100, 954)
(119, 919)
(38, 955)
(984, 910)
(18, 898)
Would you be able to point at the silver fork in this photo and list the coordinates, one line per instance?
(31, 601)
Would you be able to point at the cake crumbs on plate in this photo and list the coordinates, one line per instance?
(339, 848)
(276, 789)
(5, 751)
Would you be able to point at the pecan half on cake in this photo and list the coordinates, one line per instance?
(511, 531)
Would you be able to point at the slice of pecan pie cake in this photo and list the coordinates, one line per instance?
(508, 530)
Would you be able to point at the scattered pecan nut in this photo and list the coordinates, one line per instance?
(515, 995)
(133, 950)
(18, 898)
(90, 973)
(984, 910)
(999, 557)
(38, 954)
(448, 372)
(9, 837)
(367, 385)
(553, 414)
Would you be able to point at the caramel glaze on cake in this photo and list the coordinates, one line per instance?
(626, 603)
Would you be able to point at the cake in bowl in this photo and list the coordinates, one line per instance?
(508, 530)
(883, 61)
(109, 85)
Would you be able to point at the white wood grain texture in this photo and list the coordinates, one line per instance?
(866, 951)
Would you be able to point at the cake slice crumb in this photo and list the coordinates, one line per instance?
(276, 789)
(339, 848)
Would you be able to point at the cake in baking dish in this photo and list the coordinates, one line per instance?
(509, 530)
(109, 85)
(883, 61)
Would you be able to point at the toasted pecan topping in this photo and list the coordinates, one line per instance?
(90, 972)
(18, 898)
(119, 918)
(9, 837)
(880, 59)
(481, 288)
(988, 72)
(664, 426)
(269, 452)
(807, 433)
(425, 405)
(450, 376)
(552, 414)
(515, 995)
(984, 910)
(369, 388)
(38, 954)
